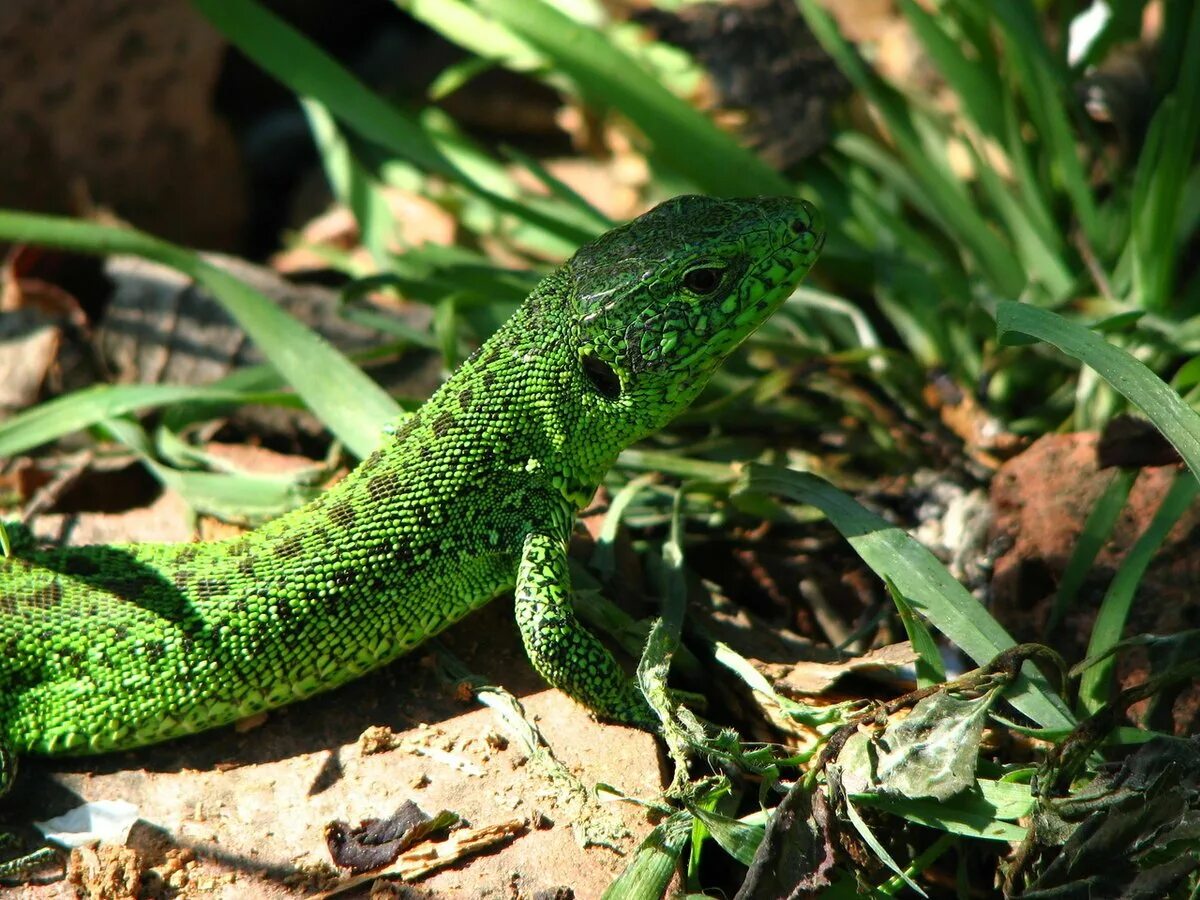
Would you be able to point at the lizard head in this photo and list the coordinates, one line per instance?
(658, 303)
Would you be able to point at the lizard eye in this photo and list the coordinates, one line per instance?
(601, 375)
(704, 280)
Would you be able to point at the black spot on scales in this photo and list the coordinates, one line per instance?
(409, 426)
(342, 514)
(48, 596)
(465, 396)
(210, 586)
(383, 486)
(443, 423)
(287, 548)
(344, 578)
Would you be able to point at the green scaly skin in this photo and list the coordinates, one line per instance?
(109, 647)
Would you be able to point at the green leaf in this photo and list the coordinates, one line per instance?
(976, 85)
(737, 838)
(967, 814)
(932, 751)
(464, 24)
(1041, 256)
(244, 499)
(308, 71)
(1162, 169)
(877, 848)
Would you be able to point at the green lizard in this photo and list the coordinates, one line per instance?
(110, 647)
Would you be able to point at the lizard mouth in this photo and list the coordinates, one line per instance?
(801, 250)
(784, 267)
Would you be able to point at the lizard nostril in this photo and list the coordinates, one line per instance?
(799, 226)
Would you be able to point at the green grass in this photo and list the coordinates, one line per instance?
(1054, 241)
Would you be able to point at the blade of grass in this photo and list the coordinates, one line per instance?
(922, 861)
(604, 558)
(930, 669)
(352, 184)
(881, 853)
(894, 173)
(1044, 84)
(1096, 685)
(463, 24)
(243, 499)
(977, 86)
(1179, 423)
(306, 70)
(1096, 530)
(559, 188)
(915, 571)
(653, 865)
(1042, 258)
(680, 135)
(1037, 203)
(90, 406)
(321, 375)
(1158, 184)
(946, 195)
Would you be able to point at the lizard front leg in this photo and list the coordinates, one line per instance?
(560, 648)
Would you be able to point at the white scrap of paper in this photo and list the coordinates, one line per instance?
(103, 820)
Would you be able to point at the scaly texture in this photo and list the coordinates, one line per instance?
(107, 647)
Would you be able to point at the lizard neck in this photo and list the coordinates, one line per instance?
(518, 403)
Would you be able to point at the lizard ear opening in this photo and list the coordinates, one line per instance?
(601, 375)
